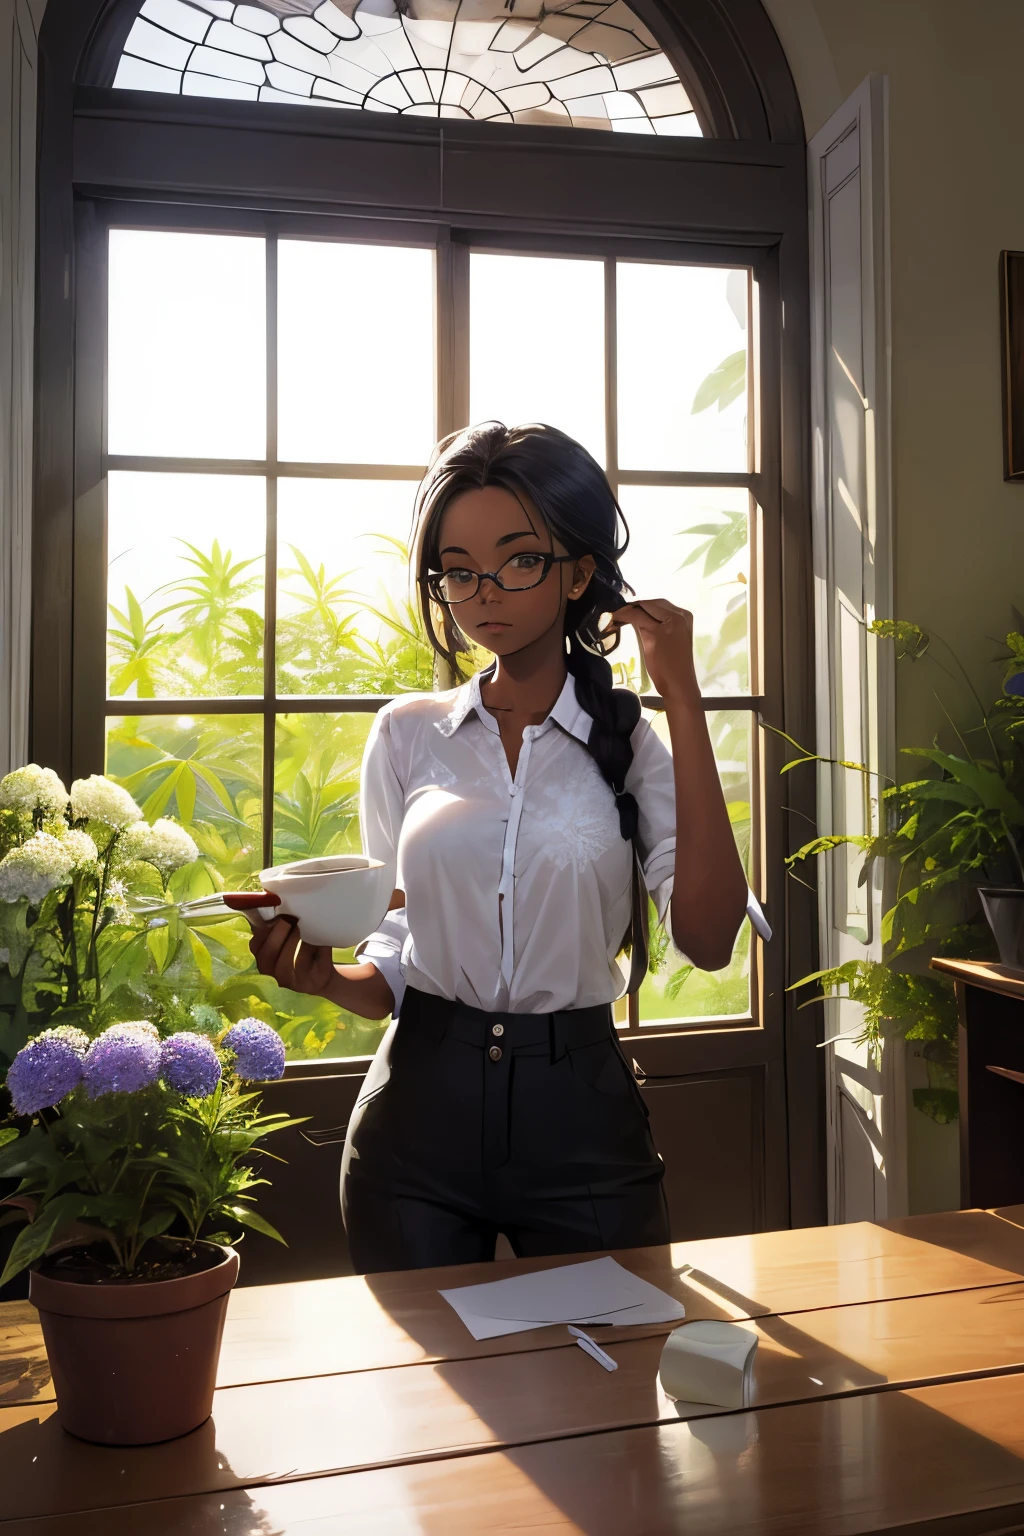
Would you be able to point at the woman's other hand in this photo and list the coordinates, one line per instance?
(667, 642)
(665, 633)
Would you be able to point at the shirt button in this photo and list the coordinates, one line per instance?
(495, 1053)
(498, 1029)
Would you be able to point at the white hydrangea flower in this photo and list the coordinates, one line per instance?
(117, 900)
(80, 848)
(35, 869)
(164, 844)
(33, 789)
(101, 799)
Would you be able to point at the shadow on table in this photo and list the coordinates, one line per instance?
(46, 1468)
(979, 1235)
(711, 1442)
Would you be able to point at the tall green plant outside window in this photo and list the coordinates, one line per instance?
(268, 412)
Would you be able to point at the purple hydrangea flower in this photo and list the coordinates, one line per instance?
(259, 1050)
(46, 1069)
(189, 1065)
(125, 1058)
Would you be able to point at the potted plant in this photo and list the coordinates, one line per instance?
(953, 842)
(130, 1139)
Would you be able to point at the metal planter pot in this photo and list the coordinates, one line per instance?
(1004, 908)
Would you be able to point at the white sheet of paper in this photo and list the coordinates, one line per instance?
(596, 1291)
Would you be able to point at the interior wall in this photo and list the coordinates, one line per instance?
(956, 144)
(956, 141)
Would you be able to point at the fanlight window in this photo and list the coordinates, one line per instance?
(584, 64)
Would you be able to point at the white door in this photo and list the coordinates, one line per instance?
(852, 561)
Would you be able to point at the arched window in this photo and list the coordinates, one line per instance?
(588, 63)
(256, 315)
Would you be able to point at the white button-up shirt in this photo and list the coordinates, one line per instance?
(517, 888)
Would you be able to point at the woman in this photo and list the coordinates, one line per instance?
(525, 811)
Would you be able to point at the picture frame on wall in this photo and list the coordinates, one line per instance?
(1011, 304)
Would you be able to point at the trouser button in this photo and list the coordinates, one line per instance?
(495, 1053)
(498, 1029)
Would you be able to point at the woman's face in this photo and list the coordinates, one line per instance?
(481, 530)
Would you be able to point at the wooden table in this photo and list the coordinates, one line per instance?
(990, 1074)
(888, 1391)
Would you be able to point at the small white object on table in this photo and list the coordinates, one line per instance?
(709, 1362)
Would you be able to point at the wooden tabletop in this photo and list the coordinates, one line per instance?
(363, 1404)
(360, 1323)
(1006, 979)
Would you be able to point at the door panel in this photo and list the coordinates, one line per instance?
(852, 559)
(710, 1133)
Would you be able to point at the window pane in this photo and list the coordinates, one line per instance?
(187, 352)
(682, 366)
(594, 65)
(537, 344)
(345, 620)
(693, 547)
(206, 771)
(316, 812)
(676, 991)
(316, 784)
(185, 585)
(355, 353)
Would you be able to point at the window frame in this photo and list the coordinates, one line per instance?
(741, 189)
(91, 706)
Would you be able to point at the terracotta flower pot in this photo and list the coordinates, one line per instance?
(135, 1363)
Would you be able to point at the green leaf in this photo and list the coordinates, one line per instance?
(940, 1104)
(32, 1241)
(724, 385)
(187, 796)
(158, 944)
(247, 1217)
(156, 1224)
(201, 955)
(31, 1154)
(990, 787)
(8, 1133)
(827, 844)
(677, 981)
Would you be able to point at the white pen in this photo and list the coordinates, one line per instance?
(593, 1349)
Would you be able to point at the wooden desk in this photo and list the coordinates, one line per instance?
(361, 1323)
(363, 1405)
(990, 1000)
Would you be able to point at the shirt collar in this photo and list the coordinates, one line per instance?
(566, 711)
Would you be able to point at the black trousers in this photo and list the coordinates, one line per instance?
(472, 1123)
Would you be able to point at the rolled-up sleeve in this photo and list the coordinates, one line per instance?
(381, 809)
(384, 949)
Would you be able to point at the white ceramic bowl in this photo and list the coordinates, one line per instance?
(337, 901)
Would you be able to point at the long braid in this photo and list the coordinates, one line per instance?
(615, 713)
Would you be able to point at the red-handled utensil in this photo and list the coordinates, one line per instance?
(246, 901)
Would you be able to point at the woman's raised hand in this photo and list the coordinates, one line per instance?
(278, 950)
(665, 633)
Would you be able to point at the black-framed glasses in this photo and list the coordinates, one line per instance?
(516, 575)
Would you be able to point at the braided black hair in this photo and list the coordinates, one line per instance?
(571, 491)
